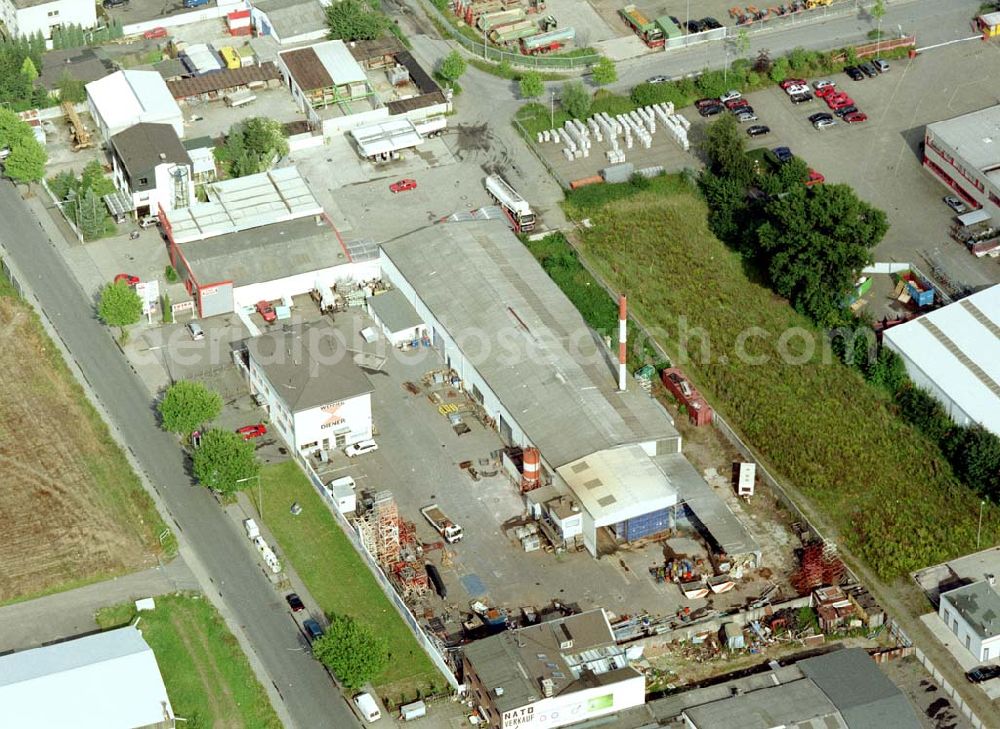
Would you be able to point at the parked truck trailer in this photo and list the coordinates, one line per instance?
(448, 529)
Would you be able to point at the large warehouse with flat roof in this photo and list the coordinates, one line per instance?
(954, 353)
(525, 354)
(963, 153)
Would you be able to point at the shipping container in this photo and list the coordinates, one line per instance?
(618, 173)
(645, 525)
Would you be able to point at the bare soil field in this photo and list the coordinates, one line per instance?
(72, 510)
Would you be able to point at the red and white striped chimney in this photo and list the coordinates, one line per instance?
(622, 318)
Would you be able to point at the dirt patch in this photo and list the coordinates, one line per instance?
(72, 509)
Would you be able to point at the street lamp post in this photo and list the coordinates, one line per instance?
(260, 493)
(552, 109)
(979, 531)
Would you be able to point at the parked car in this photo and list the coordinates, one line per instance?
(955, 204)
(702, 103)
(868, 70)
(676, 21)
(846, 110)
(265, 309)
(983, 673)
(826, 91)
(195, 330)
(823, 83)
(710, 23)
(813, 118)
(815, 178)
(745, 115)
(730, 95)
(694, 26)
(758, 130)
(313, 630)
(153, 33)
(657, 80)
(367, 708)
(783, 154)
(403, 185)
(360, 448)
(148, 221)
(249, 432)
(854, 72)
(129, 278)
(110, 4)
(792, 82)
(294, 602)
(824, 123)
(797, 89)
(855, 117)
(801, 98)
(840, 102)
(735, 104)
(881, 65)
(711, 110)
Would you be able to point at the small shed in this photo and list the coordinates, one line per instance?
(396, 316)
(732, 636)
(989, 24)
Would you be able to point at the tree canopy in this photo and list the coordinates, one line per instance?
(452, 66)
(252, 146)
(224, 462)
(530, 85)
(353, 651)
(119, 305)
(187, 405)
(604, 72)
(26, 162)
(355, 20)
(575, 99)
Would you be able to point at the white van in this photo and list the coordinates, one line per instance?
(253, 531)
(368, 708)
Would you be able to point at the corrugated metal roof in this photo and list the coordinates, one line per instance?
(339, 63)
(387, 136)
(394, 311)
(227, 78)
(129, 97)
(530, 343)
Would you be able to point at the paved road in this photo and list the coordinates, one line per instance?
(309, 695)
(67, 614)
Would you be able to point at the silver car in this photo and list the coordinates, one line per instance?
(195, 330)
(824, 123)
(955, 204)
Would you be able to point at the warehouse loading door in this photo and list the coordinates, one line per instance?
(506, 435)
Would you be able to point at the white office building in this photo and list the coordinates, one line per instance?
(27, 17)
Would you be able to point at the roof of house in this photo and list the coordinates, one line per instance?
(309, 366)
(955, 347)
(979, 606)
(227, 78)
(105, 681)
(129, 97)
(862, 693)
(266, 253)
(82, 64)
(394, 311)
(142, 147)
(516, 661)
(290, 18)
(477, 279)
(793, 704)
(974, 136)
(329, 63)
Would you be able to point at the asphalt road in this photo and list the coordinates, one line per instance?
(310, 696)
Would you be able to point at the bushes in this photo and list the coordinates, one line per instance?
(611, 103)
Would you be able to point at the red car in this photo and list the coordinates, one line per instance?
(815, 178)
(792, 82)
(825, 91)
(128, 278)
(839, 102)
(152, 33)
(734, 104)
(265, 309)
(249, 432)
(856, 116)
(403, 185)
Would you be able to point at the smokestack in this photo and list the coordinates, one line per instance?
(622, 317)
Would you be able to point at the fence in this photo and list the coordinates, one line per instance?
(491, 53)
(8, 273)
(948, 689)
(430, 647)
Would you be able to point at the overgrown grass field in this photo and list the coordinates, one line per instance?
(338, 578)
(208, 678)
(883, 485)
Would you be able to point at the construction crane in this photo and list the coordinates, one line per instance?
(81, 137)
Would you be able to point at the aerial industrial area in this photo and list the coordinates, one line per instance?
(501, 363)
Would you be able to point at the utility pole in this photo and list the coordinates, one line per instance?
(260, 493)
(979, 532)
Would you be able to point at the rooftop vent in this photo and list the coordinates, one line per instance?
(548, 687)
(991, 580)
(566, 639)
(498, 691)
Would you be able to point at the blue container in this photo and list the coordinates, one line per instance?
(645, 525)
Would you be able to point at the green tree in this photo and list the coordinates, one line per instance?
(779, 70)
(725, 147)
(604, 72)
(816, 240)
(452, 66)
(575, 99)
(93, 178)
(28, 69)
(187, 405)
(224, 462)
(26, 162)
(71, 89)
(354, 652)
(530, 85)
(119, 305)
(90, 214)
(924, 411)
(354, 20)
(12, 129)
(252, 146)
(974, 453)
(878, 12)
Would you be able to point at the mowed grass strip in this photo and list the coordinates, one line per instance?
(74, 510)
(883, 485)
(336, 575)
(208, 678)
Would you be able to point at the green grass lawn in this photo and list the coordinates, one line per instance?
(882, 484)
(336, 575)
(208, 678)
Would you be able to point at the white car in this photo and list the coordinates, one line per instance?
(795, 89)
(360, 448)
(730, 95)
(824, 123)
(823, 83)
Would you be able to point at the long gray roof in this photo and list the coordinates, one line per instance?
(799, 704)
(979, 605)
(544, 363)
(865, 696)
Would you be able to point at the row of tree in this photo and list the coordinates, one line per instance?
(82, 200)
(27, 158)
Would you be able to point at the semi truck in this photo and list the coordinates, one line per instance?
(642, 26)
(545, 42)
(514, 206)
(448, 529)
